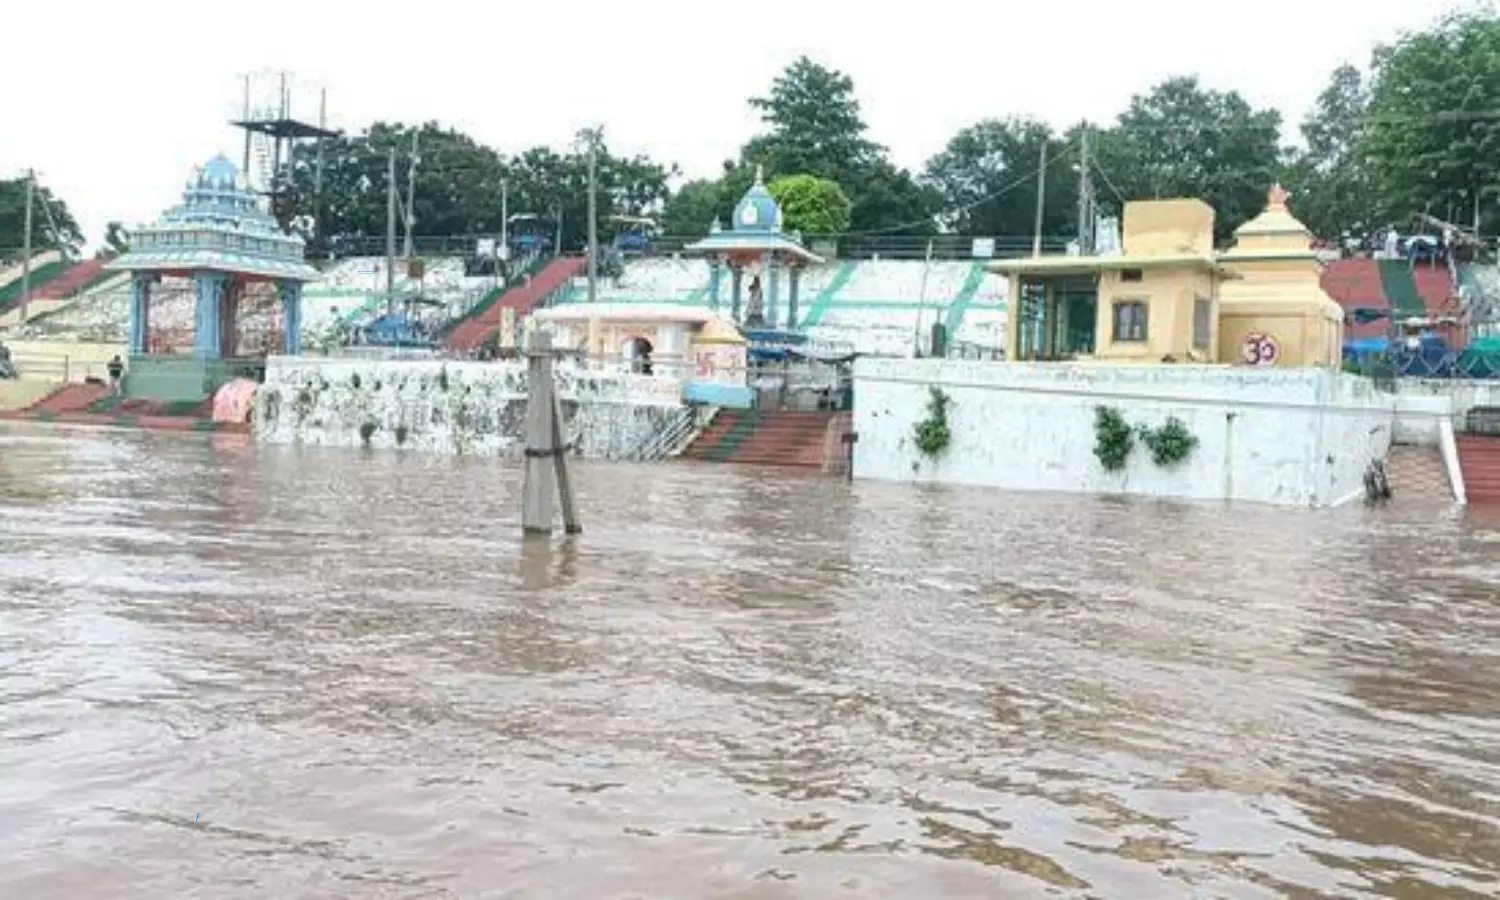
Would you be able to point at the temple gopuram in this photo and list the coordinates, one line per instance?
(223, 239)
(755, 248)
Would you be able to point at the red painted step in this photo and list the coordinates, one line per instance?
(1355, 284)
(1479, 459)
(523, 298)
(782, 438)
(69, 398)
(72, 279)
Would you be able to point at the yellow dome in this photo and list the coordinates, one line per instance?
(717, 331)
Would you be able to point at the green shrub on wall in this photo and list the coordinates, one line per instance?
(933, 434)
(1169, 444)
(1113, 438)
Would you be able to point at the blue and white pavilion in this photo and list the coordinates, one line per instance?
(755, 245)
(223, 238)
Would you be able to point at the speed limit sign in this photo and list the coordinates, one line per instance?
(1260, 349)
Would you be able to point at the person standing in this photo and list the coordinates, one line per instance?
(116, 370)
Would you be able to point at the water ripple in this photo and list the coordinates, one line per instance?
(236, 671)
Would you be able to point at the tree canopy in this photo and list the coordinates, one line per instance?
(811, 205)
(459, 184)
(1417, 131)
(52, 224)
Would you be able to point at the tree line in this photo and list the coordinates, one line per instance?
(1417, 130)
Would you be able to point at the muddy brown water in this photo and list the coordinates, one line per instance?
(239, 672)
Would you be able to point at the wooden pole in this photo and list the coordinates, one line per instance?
(546, 451)
(571, 525)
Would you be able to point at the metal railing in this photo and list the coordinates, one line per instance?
(667, 439)
(843, 246)
(1386, 367)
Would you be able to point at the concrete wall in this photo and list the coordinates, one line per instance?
(451, 407)
(21, 393)
(1463, 394)
(60, 361)
(1294, 437)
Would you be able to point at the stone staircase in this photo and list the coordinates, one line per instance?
(1479, 458)
(788, 438)
(523, 298)
(1355, 284)
(1417, 473)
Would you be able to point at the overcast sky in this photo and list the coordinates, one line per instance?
(114, 102)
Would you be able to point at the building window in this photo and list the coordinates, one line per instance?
(1203, 323)
(1132, 276)
(1130, 321)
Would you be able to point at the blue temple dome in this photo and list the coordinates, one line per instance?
(219, 173)
(757, 210)
(221, 224)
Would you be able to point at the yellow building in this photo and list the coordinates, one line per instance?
(1156, 301)
(1275, 312)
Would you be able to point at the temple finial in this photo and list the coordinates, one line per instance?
(760, 175)
(1277, 197)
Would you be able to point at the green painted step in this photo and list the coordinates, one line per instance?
(729, 444)
(820, 304)
(966, 294)
(39, 276)
(1401, 289)
(491, 297)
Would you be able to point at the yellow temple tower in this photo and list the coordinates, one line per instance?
(1274, 313)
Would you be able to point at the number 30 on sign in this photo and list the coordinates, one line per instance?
(1260, 349)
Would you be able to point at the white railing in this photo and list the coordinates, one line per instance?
(670, 437)
(58, 367)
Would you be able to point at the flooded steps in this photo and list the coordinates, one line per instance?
(1418, 473)
(1479, 458)
(783, 438)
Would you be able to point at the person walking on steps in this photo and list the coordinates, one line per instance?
(116, 370)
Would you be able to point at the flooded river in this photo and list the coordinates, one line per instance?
(235, 672)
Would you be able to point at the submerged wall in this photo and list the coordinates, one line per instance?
(451, 407)
(1300, 437)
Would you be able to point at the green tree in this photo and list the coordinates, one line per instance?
(1432, 135)
(689, 212)
(811, 205)
(52, 224)
(893, 202)
(815, 124)
(1184, 140)
(116, 243)
(459, 184)
(1330, 179)
(986, 176)
(815, 127)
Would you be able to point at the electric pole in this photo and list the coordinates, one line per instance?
(504, 220)
(592, 135)
(411, 194)
(1041, 201)
(1085, 196)
(390, 232)
(26, 244)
